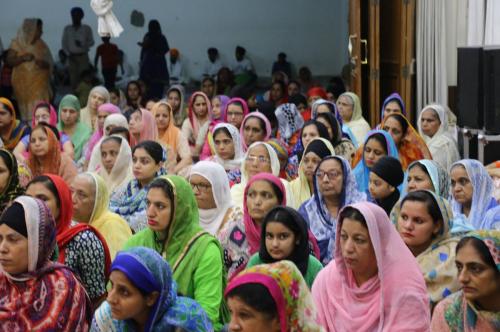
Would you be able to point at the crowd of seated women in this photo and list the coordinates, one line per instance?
(223, 214)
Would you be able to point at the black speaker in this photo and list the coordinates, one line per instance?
(491, 84)
(470, 87)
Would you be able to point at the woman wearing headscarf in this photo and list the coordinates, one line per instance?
(374, 283)
(195, 256)
(70, 124)
(175, 98)
(378, 143)
(349, 107)
(433, 127)
(88, 115)
(211, 190)
(316, 150)
(228, 150)
(219, 104)
(103, 111)
(410, 144)
(112, 160)
(142, 127)
(428, 175)
(195, 127)
(334, 187)
(472, 199)
(171, 137)
(81, 247)
(43, 112)
(475, 307)
(285, 236)
(259, 158)
(90, 198)
(9, 179)
(37, 294)
(148, 277)
(424, 221)
(46, 157)
(129, 201)
(289, 124)
(277, 296)
(255, 127)
(32, 64)
(12, 130)
(153, 64)
(236, 110)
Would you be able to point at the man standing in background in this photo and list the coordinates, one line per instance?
(76, 42)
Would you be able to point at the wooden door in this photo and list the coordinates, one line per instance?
(382, 37)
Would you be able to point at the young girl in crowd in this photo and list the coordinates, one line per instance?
(385, 178)
(129, 202)
(285, 236)
(228, 150)
(195, 127)
(175, 98)
(88, 115)
(142, 127)
(10, 186)
(271, 297)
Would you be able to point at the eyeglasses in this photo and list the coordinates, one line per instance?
(201, 187)
(331, 174)
(260, 159)
(234, 114)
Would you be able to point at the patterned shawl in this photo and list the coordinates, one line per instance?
(456, 313)
(437, 262)
(284, 282)
(289, 121)
(482, 196)
(12, 188)
(320, 221)
(149, 272)
(48, 297)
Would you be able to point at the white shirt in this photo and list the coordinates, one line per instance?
(212, 68)
(71, 34)
(241, 67)
(175, 71)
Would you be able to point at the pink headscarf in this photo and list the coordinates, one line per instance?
(192, 116)
(395, 300)
(110, 109)
(52, 112)
(255, 115)
(239, 100)
(149, 130)
(253, 230)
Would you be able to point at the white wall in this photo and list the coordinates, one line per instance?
(312, 33)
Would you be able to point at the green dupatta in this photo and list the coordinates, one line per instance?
(186, 241)
(82, 132)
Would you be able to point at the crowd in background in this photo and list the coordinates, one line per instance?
(234, 207)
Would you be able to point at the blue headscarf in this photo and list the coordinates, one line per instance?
(362, 172)
(439, 177)
(149, 272)
(482, 197)
(393, 97)
(321, 223)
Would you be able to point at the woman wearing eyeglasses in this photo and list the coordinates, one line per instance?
(334, 187)
(259, 158)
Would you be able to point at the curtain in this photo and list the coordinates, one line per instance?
(492, 24)
(431, 53)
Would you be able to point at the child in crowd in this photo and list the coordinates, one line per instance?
(109, 54)
(385, 177)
